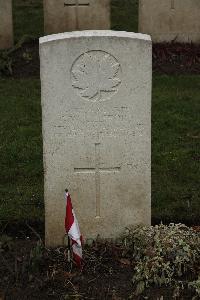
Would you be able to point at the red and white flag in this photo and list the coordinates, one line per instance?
(73, 231)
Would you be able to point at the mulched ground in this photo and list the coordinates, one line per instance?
(169, 58)
(176, 58)
(30, 271)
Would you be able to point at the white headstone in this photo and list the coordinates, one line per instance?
(96, 106)
(69, 15)
(170, 20)
(6, 24)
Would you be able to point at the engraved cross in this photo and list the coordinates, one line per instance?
(77, 4)
(172, 4)
(96, 171)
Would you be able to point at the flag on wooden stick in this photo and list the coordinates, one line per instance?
(73, 231)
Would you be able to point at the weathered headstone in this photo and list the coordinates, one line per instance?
(6, 24)
(69, 15)
(170, 20)
(96, 103)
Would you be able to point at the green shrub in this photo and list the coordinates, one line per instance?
(6, 56)
(163, 255)
(195, 285)
(5, 63)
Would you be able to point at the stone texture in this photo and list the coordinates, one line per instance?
(168, 20)
(6, 25)
(64, 15)
(96, 106)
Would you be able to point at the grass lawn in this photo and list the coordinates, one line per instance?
(21, 180)
(27, 18)
(175, 149)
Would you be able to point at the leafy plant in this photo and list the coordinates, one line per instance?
(6, 58)
(5, 63)
(163, 254)
(196, 286)
(27, 56)
(6, 243)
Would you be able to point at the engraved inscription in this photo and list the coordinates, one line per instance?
(96, 122)
(96, 75)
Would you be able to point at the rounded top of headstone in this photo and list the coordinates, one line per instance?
(94, 33)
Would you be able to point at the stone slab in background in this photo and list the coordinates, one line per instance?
(170, 20)
(6, 24)
(64, 15)
(96, 111)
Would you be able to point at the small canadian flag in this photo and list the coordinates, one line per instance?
(73, 231)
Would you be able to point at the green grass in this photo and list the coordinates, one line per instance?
(124, 15)
(175, 149)
(27, 18)
(21, 180)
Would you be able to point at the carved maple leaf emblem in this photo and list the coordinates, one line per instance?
(94, 75)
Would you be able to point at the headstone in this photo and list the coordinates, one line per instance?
(96, 104)
(6, 25)
(170, 20)
(69, 15)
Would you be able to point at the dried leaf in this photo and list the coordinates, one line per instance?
(125, 261)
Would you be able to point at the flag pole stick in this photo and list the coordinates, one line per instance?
(69, 251)
(68, 243)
